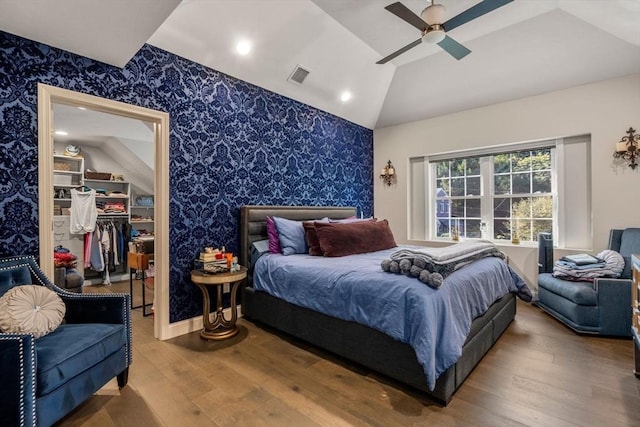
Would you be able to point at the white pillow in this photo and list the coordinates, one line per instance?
(31, 309)
(613, 261)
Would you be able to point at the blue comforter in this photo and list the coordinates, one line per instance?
(435, 322)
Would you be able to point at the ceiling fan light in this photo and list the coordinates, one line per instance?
(433, 35)
(433, 14)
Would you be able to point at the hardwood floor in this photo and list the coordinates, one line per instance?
(538, 374)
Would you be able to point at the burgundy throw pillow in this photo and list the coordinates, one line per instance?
(353, 219)
(312, 238)
(272, 235)
(338, 239)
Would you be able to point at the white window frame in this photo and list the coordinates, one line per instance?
(570, 230)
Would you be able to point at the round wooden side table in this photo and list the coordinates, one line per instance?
(219, 328)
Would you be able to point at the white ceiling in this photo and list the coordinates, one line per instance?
(127, 142)
(525, 48)
(108, 31)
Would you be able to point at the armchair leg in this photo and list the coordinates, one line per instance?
(123, 377)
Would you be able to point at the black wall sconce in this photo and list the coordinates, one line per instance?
(627, 148)
(388, 174)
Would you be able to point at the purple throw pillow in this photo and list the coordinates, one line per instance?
(272, 235)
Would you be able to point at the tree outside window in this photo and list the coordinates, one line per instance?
(521, 203)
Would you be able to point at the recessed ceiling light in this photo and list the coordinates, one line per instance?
(243, 47)
(62, 133)
(82, 108)
(346, 95)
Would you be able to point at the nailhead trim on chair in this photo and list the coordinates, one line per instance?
(46, 282)
(72, 295)
(12, 337)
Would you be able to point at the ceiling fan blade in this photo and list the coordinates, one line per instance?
(454, 48)
(402, 12)
(399, 51)
(474, 12)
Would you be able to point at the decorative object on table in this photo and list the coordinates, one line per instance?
(214, 260)
(71, 150)
(388, 174)
(627, 148)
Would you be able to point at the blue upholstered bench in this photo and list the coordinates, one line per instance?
(602, 307)
(45, 378)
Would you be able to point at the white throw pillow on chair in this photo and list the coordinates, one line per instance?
(31, 309)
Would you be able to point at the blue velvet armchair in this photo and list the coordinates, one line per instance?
(43, 379)
(602, 307)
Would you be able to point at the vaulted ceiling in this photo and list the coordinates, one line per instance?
(524, 48)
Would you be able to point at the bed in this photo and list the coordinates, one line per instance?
(351, 340)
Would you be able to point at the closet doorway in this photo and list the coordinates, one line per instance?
(74, 106)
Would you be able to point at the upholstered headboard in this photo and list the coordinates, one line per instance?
(253, 225)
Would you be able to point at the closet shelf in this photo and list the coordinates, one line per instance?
(105, 181)
(61, 172)
(119, 196)
(70, 158)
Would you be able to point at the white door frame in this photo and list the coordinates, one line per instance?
(50, 94)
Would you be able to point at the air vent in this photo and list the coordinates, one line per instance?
(299, 74)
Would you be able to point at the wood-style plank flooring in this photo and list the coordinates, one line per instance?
(538, 374)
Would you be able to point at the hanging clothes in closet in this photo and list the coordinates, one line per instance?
(103, 248)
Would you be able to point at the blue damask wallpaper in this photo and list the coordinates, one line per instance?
(231, 143)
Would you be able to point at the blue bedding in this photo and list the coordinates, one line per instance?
(435, 322)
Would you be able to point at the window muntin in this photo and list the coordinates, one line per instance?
(518, 202)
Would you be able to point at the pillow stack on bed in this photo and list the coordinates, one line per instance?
(330, 238)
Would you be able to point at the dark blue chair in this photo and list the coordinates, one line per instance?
(602, 307)
(44, 379)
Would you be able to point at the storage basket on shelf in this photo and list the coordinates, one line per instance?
(103, 176)
(61, 166)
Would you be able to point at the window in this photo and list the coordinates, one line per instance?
(504, 192)
(522, 195)
(458, 197)
(518, 204)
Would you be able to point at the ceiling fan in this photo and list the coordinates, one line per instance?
(431, 25)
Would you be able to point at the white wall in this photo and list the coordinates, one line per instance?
(605, 110)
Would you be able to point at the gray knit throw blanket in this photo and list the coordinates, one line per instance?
(432, 265)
